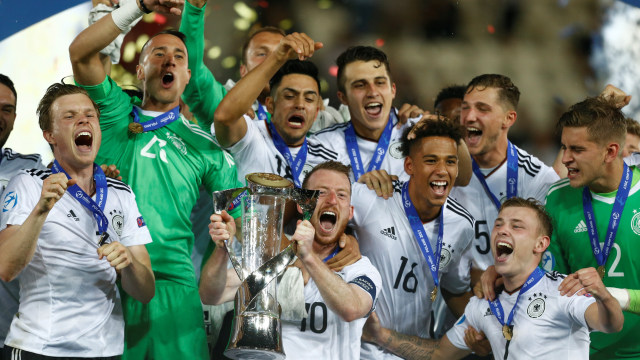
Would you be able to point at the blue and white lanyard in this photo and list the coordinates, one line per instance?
(433, 260)
(158, 121)
(512, 176)
(97, 209)
(378, 156)
(602, 254)
(496, 306)
(296, 164)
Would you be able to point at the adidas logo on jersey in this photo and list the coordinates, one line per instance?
(389, 232)
(582, 227)
(71, 214)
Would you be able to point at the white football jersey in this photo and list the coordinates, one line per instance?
(545, 325)
(386, 238)
(393, 162)
(255, 152)
(534, 180)
(10, 163)
(69, 302)
(323, 334)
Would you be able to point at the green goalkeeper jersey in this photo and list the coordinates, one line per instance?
(164, 167)
(570, 250)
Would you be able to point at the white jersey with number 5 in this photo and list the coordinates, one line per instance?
(546, 325)
(385, 236)
(323, 334)
(534, 180)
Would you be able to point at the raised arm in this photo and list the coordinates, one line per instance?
(349, 301)
(230, 126)
(217, 283)
(18, 242)
(203, 93)
(605, 315)
(84, 51)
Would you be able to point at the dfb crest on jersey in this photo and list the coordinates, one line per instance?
(395, 151)
(117, 221)
(445, 256)
(536, 306)
(177, 142)
(635, 222)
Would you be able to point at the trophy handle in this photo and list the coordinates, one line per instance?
(259, 279)
(221, 201)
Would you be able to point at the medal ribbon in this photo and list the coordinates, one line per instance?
(433, 260)
(378, 155)
(512, 176)
(602, 254)
(334, 253)
(295, 164)
(97, 209)
(262, 112)
(158, 121)
(496, 306)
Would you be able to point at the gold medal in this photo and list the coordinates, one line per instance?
(601, 271)
(434, 293)
(507, 332)
(135, 128)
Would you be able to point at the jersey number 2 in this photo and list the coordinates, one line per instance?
(161, 143)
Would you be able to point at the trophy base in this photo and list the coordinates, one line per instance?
(255, 336)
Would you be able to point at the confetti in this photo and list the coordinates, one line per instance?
(333, 70)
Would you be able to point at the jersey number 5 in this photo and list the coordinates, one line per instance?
(482, 234)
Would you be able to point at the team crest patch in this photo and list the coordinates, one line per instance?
(394, 150)
(536, 306)
(117, 221)
(178, 143)
(635, 222)
(10, 201)
(445, 257)
(140, 222)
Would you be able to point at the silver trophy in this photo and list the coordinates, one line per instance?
(256, 324)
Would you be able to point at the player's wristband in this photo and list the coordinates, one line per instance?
(634, 301)
(622, 295)
(126, 14)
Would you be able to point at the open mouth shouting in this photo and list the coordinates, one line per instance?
(373, 109)
(503, 250)
(167, 80)
(327, 221)
(439, 187)
(296, 121)
(473, 135)
(84, 141)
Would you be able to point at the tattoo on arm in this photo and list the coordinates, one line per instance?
(410, 347)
